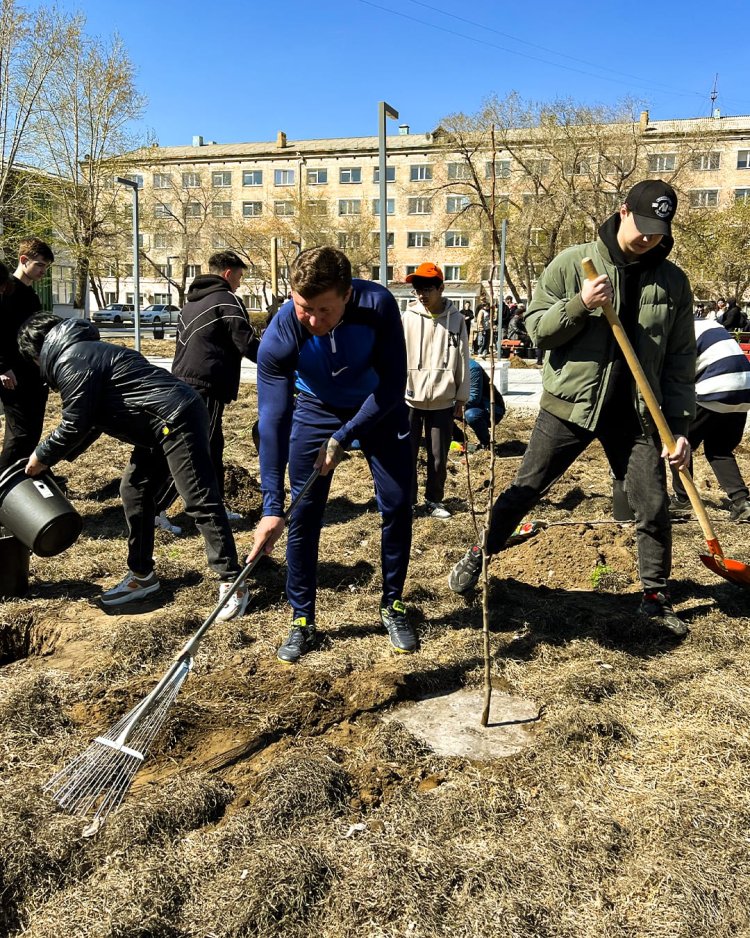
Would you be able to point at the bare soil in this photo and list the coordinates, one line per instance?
(278, 802)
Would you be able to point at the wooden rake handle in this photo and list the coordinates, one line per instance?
(665, 434)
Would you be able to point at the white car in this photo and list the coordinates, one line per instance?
(159, 312)
(116, 313)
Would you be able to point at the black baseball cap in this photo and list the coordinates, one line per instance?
(653, 204)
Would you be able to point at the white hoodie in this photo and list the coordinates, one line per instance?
(437, 357)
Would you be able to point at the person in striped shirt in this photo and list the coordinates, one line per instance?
(722, 390)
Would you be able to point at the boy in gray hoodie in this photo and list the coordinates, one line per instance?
(437, 359)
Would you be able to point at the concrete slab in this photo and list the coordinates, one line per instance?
(449, 723)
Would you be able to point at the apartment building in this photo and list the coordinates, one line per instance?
(201, 198)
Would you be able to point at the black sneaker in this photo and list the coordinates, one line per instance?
(657, 607)
(402, 635)
(679, 506)
(740, 510)
(465, 575)
(301, 639)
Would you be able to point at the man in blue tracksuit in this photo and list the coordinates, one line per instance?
(339, 344)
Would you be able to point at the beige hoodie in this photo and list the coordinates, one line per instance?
(437, 357)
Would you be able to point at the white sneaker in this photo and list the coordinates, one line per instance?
(130, 588)
(235, 605)
(232, 515)
(162, 521)
(437, 510)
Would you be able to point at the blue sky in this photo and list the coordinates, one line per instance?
(241, 71)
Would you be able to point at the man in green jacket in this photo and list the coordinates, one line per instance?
(590, 394)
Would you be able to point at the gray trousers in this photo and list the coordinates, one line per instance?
(554, 446)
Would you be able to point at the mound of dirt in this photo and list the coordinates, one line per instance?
(242, 492)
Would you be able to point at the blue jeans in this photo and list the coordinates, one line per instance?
(552, 449)
(387, 449)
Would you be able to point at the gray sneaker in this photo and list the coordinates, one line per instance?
(436, 510)
(130, 588)
(465, 575)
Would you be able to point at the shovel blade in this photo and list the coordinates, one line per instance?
(733, 570)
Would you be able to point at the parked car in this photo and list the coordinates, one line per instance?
(116, 313)
(159, 312)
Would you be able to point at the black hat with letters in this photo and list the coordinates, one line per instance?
(653, 204)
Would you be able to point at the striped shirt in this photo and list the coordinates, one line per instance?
(722, 379)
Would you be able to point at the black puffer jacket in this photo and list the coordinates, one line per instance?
(106, 389)
(213, 335)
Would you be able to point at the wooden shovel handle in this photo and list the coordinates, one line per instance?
(666, 435)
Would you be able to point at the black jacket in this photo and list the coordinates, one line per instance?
(733, 318)
(106, 389)
(16, 305)
(213, 335)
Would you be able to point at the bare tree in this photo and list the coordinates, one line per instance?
(81, 129)
(32, 43)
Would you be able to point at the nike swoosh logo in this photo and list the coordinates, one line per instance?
(403, 436)
(334, 373)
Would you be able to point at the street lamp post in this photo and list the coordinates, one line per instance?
(133, 186)
(384, 112)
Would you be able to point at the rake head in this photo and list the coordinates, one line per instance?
(98, 779)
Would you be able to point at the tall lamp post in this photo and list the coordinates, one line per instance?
(171, 257)
(384, 112)
(133, 186)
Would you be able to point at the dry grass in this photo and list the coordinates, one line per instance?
(277, 803)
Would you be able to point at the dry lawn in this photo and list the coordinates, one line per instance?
(277, 803)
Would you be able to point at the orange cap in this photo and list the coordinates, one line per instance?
(426, 271)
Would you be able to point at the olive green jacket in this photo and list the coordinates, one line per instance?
(581, 346)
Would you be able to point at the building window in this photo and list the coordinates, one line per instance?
(501, 169)
(162, 298)
(349, 239)
(456, 203)
(707, 161)
(317, 177)
(420, 172)
(538, 168)
(418, 239)
(743, 159)
(704, 198)
(419, 206)
(411, 269)
(219, 243)
(162, 180)
(221, 209)
(317, 207)
(742, 195)
(252, 209)
(109, 297)
(388, 272)
(161, 241)
(133, 177)
(192, 270)
(662, 162)
(350, 206)
(193, 210)
(221, 180)
(456, 239)
(161, 270)
(162, 210)
(390, 174)
(191, 180)
(253, 302)
(252, 177)
(350, 174)
(580, 166)
(389, 238)
(283, 207)
(283, 177)
(390, 206)
(459, 171)
(453, 272)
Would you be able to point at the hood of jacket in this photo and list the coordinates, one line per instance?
(61, 337)
(206, 284)
(449, 307)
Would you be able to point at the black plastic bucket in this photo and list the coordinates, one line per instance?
(14, 566)
(37, 512)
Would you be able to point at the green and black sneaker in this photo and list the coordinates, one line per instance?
(301, 639)
(402, 635)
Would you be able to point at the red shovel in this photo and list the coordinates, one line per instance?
(733, 570)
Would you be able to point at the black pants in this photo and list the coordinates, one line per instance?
(168, 491)
(24, 417)
(554, 446)
(437, 426)
(185, 454)
(720, 434)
